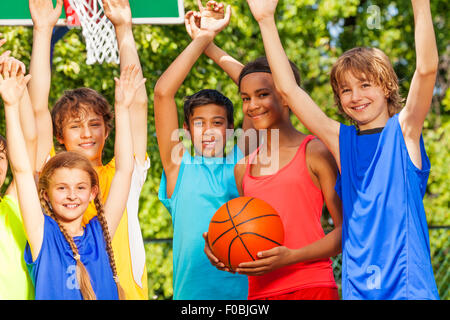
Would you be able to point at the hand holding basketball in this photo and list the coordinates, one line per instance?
(242, 228)
(212, 258)
(268, 261)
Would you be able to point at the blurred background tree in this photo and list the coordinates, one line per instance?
(314, 34)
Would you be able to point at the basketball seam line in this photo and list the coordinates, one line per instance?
(266, 215)
(257, 234)
(245, 205)
(237, 232)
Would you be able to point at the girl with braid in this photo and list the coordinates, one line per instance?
(66, 259)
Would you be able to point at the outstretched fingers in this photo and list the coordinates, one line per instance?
(127, 85)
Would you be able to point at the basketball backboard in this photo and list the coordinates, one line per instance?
(17, 12)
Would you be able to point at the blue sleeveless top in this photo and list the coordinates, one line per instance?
(385, 242)
(203, 186)
(54, 274)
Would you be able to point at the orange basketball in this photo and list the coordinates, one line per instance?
(241, 228)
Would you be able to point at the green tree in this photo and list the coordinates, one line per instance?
(314, 34)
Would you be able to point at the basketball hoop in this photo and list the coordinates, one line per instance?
(98, 31)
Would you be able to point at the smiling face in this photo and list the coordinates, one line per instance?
(261, 101)
(207, 126)
(85, 134)
(363, 101)
(69, 193)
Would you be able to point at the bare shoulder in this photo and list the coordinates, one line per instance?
(239, 168)
(318, 155)
(239, 172)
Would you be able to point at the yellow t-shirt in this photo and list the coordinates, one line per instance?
(15, 281)
(122, 243)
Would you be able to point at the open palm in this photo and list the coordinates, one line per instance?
(43, 12)
(12, 87)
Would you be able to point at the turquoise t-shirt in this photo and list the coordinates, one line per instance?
(15, 282)
(202, 187)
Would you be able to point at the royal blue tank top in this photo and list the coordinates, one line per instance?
(385, 242)
(53, 272)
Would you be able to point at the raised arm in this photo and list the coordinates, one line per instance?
(166, 116)
(44, 17)
(298, 100)
(420, 93)
(205, 17)
(119, 12)
(126, 89)
(12, 87)
(27, 121)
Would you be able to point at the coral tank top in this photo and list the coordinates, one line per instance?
(292, 193)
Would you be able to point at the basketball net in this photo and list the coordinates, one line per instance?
(98, 31)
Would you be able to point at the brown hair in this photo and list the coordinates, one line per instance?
(369, 64)
(75, 104)
(75, 160)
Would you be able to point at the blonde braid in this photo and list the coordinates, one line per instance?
(82, 274)
(102, 219)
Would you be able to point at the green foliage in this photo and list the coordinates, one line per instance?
(314, 34)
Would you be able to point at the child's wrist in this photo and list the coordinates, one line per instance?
(266, 20)
(43, 28)
(123, 26)
(122, 107)
(12, 105)
(206, 35)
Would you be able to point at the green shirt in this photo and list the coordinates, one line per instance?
(15, 282)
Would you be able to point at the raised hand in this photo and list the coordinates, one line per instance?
(12, 83)
(44, 14)
(127, 86)
(3, 58)
(8, 63)
(192, 23)
(262, 9)
(118, 12)
(211, 18)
